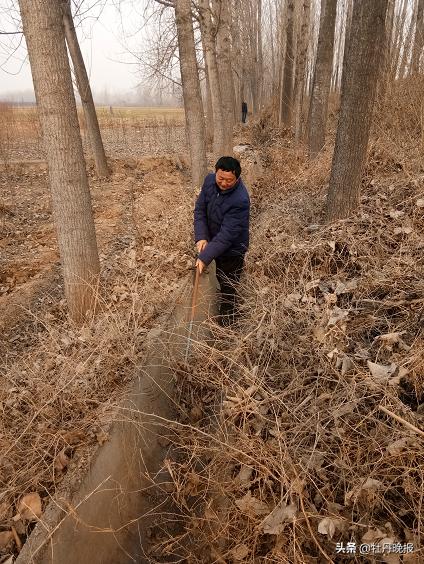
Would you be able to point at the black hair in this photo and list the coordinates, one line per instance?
(229, 164)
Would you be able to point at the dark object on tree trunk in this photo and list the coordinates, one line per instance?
(244, 112)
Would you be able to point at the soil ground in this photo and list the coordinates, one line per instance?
(59, 384)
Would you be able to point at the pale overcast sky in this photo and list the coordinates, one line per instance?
(102, 42)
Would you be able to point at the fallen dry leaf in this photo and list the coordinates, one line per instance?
(404, 230)
(273, 524)
(73, 437)
(61, 461)
(344, 409)
(30, 508)
(381, 372)
(319, 333)
(347, 364)
(370, 485)
(345, 287)
(245, 474)
(337, 315)
(251, 505)
(329, 525)
(390, 338)
(372, 535)
(196, 414)
(397, 447)
(240, 552)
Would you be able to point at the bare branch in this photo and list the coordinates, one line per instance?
(167, 3)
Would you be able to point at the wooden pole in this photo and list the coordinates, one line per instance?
(192, 312)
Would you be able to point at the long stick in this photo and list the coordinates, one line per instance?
(193, 311)
(401, 420)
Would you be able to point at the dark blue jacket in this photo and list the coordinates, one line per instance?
(222, 218)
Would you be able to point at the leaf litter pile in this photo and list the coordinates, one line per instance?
(304, 424)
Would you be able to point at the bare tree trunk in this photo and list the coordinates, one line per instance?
(84, 90)
(210, 50)
(397, 43)
(287, 90)
(359, 84)
(407, 46)
(385, 72)
(191, 91)
(43, 29)
(208, 100)
(281, 57)
(418, 40)
(340, 33)
(252, 14)
(318, 109)
(273, 34)
(237, 69)
(223, 45)
(301, 69)
(260, 69)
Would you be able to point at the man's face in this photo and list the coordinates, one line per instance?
(224, 179)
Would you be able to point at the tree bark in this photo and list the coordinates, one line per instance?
(407, 46)
(363, 56)
(299, 86)
(223, 46)
(418, 39)
(287, 90)
(252, 54)
(84, 89)
(238, 68)
(208, 101)
(339, 42)
(191, 92)
(385, 75)
(282, 44)
(260, 70)
(208, 41)
(397, 40)
(318, 109)
(43, 29)
(273, 68)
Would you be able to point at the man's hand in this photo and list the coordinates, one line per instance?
(201, 245)
(200, 265)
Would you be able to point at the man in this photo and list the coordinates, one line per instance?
(243, 112)
(221, 230)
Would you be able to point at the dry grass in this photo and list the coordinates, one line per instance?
(303, 426)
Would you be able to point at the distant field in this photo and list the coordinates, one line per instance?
(126, 112)
(140, 112)
(126, 131)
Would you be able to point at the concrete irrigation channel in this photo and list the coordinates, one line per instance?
(104, 516)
